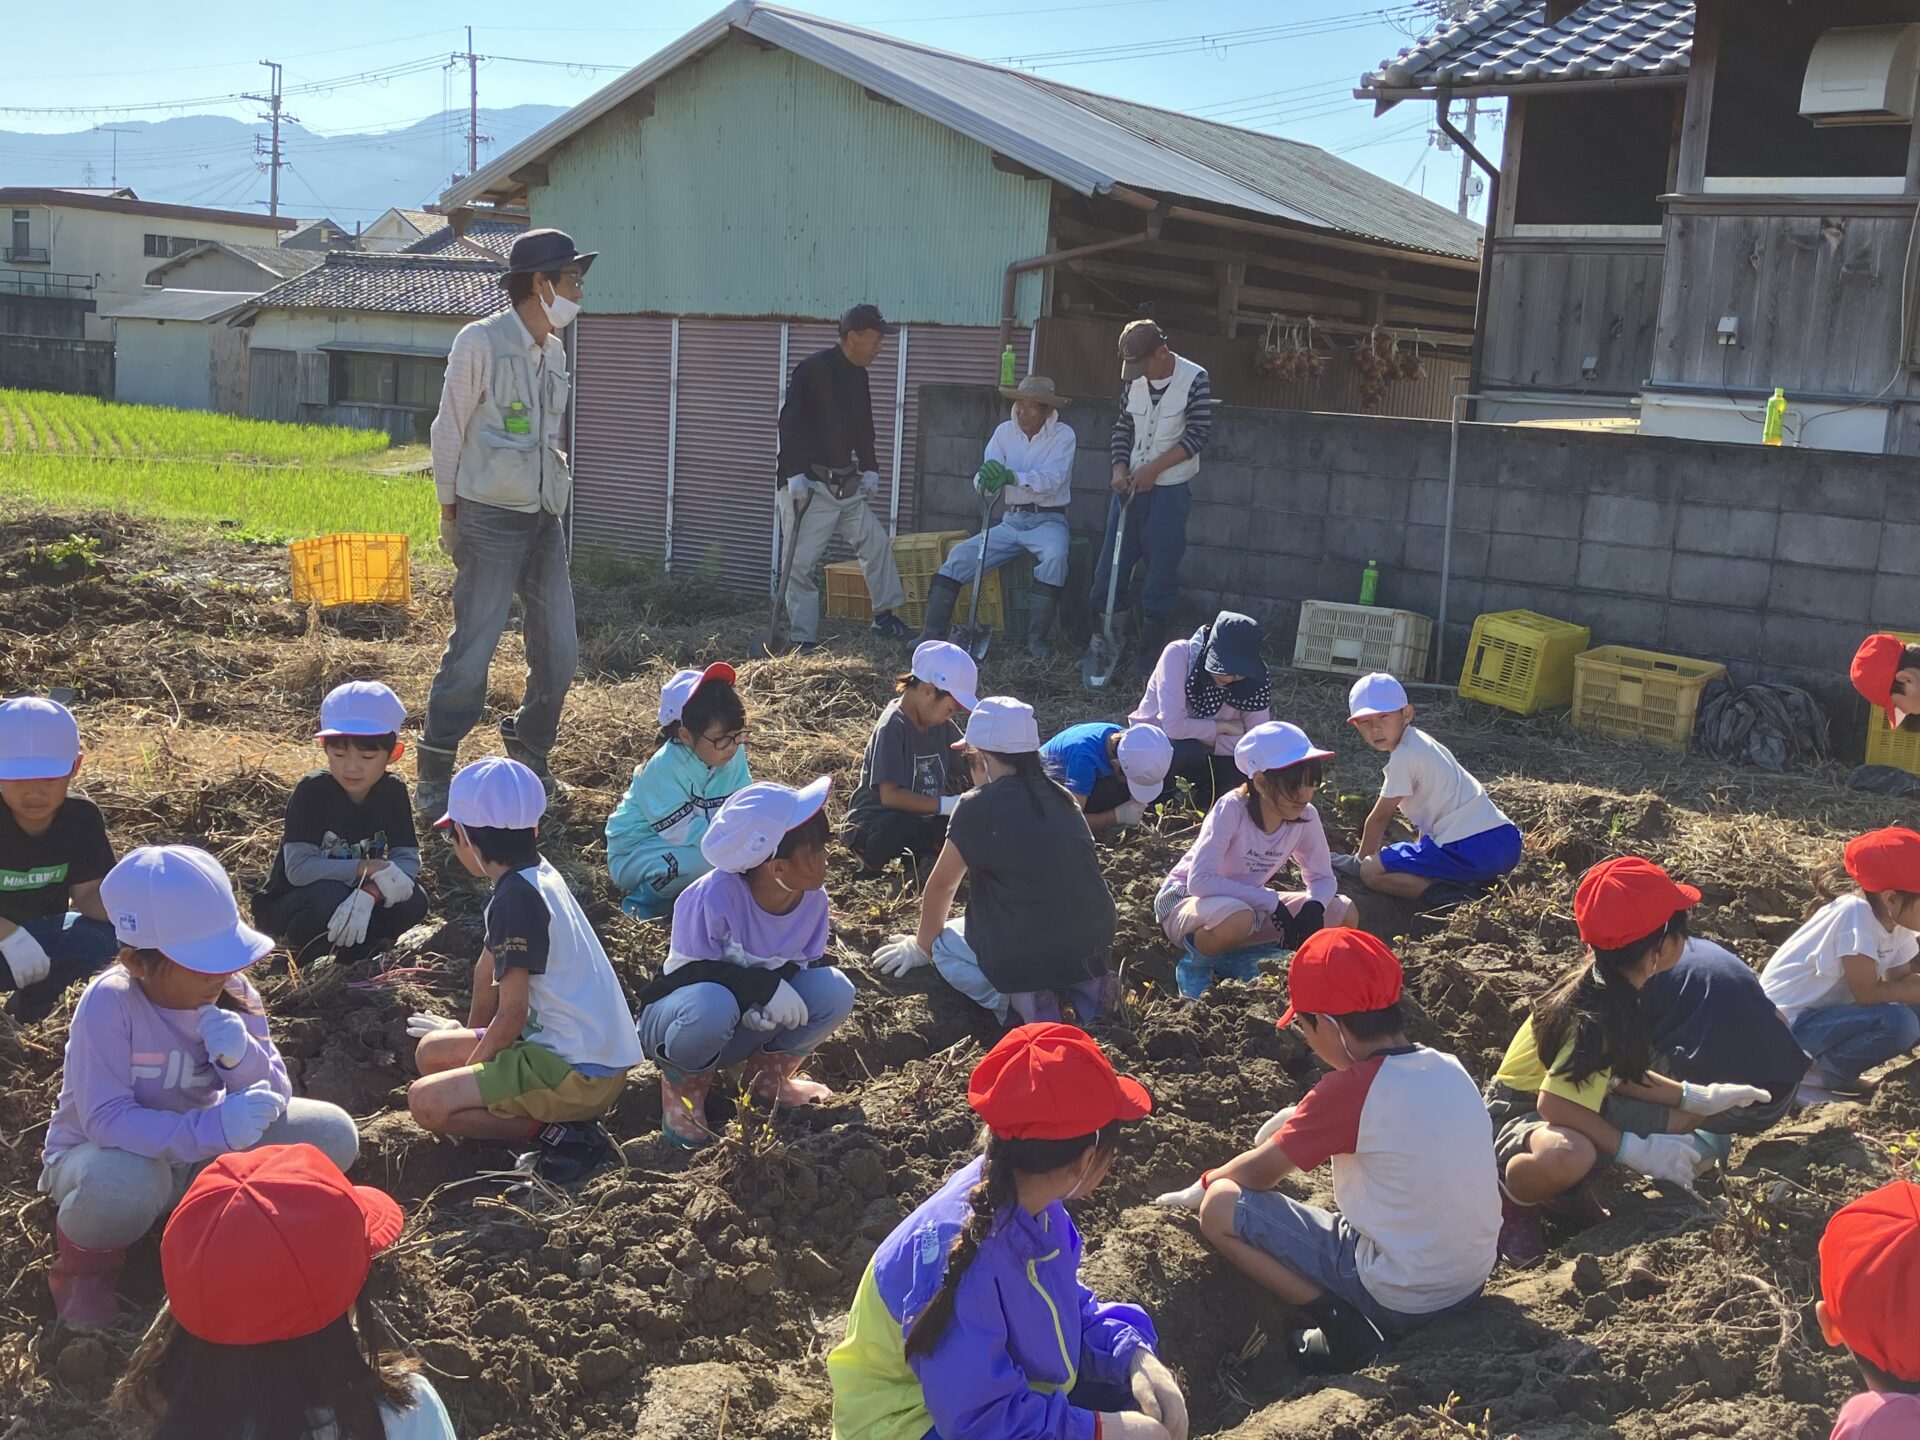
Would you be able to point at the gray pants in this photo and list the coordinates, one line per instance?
(697, 1028)
(499, 554)
(853, 522)
(1041, 534)
(109, 1198)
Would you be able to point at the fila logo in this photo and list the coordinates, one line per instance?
(174, 1069)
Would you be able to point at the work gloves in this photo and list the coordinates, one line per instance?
(869, 482)
(392, 882)
(1718, 1099)
(1157, 1393)
(1187, 1199)
(1131, 1425)
(785, 1011)
(224, 1033)
(1295, 927)
(899, 955)
(798, 484)
(348, 927)
(1271, 1127)
(1129, 813)
(246, 1114)
(1672, 1158)
(949, 803)
(446, 536)
(25, 958)
(993, 478)
(420, 1025)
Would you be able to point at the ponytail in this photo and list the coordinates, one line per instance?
(1029, 768)
(1598, 1007)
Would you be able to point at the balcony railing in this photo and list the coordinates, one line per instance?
(46, 282)
(26, 255)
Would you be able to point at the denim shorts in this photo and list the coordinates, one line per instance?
(1477, 860)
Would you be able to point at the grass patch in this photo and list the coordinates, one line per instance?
(45, 423)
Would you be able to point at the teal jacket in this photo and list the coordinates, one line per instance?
(653, 835)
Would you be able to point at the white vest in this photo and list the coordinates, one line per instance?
(1158, 424)
(523, 471)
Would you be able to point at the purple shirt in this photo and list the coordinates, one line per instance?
(1878, 1415)
(138, 1079)
(717, 918)
(1235, 858)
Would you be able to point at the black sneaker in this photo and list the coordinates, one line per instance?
(890, 626)
(1344, 1340)
(568, 1153)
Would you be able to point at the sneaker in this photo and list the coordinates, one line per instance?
(1523, 1243)
(890, 626)
(1343, 1341)
(568, 1153)
(1347, 867)
(1579, 1207)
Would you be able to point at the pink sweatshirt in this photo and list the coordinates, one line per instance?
(1165, 704)
(137, 1077)
(1235, 858)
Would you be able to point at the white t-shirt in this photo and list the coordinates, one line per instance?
(425, 1420)
(575, 1006)
(1436, 794)
(1805, 973)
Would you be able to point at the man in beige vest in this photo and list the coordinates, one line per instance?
(501, 472)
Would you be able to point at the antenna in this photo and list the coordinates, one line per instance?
(115, 131)
(274, 116)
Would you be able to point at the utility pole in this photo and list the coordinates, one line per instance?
(274, 116)
(1467, 175)
(474, 137)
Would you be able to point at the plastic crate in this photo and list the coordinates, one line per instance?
(1640, 694)
(352, 570)
(1886, 746)
(1360, 639)
(918, 557)
(1005, 597)
(1521, 661)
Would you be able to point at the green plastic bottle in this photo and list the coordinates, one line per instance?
(1008, 363)
(1370, 582)
(1776, 431)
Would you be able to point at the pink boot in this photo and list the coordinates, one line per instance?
(683, 1107)
(82, 1283)
(771, 1078)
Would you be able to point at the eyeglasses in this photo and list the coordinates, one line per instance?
(728, 740)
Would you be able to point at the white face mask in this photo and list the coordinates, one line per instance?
(560, 311)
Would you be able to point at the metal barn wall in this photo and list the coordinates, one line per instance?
(621, 401)
(729, 411)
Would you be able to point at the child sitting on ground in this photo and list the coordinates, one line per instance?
(548, 1039)
(268, 1328)
(1886, 672)
(1037, 938)
(1205, 693)
(1416, 1233)
(911, 777)
(1557, 1123)
(745, 983)
(348, 866)
(1845, 980)
(54, 852)
(971, 1322)
(1869, 1274)
(1114, 772)
(653, 835)
(1465, 842)
(169, 1063)
(1215, 905)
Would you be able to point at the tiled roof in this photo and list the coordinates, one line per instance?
(277, 264)
(394, 285)
(496, 237)
(1508, 43)
(425, 221)
(181, 305)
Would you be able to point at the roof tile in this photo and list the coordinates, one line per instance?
(391, 284)
(1509, 42)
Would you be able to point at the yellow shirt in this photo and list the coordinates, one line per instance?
(1523, 1070)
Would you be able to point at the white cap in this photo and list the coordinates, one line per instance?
(1376, 694)
(948, 667)
(1003, 725)
(38, 739)
(1274, 746)
(360, 707)
(1145, 755)
(675, 694)
(755, 819)
(177, 900)
(497, 794)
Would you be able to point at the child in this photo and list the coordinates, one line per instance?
(1558, 1122)
(548, 1039)
(54, 852)
(1886, 672)
(168, 1064)
(1038, 932)
(1869, 1274)
(1114, 772)
(1205, 693)
(653, 837)
(911, 778)
(348, 867)
(1419, 1217)
(745, 980)
(1215, 904)
(1845, 980)
(1709, 1020)
(1465, 842)
(971, 1322)
(269, 1328)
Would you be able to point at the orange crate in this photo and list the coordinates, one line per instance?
(351, 570)
(919, 557)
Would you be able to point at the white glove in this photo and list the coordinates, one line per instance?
(28, 962)
(1272, 1127)
(446, 536)
(948, 803)
(785, 1011)
(1187, 1199)
(1129, 813)
(869, 482)
(420, 1025)
(225, 1035)
(899, 955)
(1157, 1393)
(1131, 1425)
(348, 926)
(1717, 1099)
(246, 1114)
(798, 484)
(392, 883)
(1662, 1157)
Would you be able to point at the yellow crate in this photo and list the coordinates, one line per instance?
(918, 556)
(1886, 746)
(1003, 598)
(352, 570)
(1521, 661)
(1640, 694)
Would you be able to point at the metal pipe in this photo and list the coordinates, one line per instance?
(1440, 105)
(1010, 282)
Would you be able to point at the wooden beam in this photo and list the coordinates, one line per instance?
(1231, 274)
(530, 175)
(1708, 24)
(1510, 167)
(878, 98)
(1007, 165)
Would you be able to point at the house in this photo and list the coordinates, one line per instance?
(218, 265)
(478, 237)
(174, 347)
(321, 234)
(397, 229)
(770, 168)
(361, 339)
(1696, 204)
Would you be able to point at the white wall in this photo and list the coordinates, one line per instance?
(162, 362)
(310, 329)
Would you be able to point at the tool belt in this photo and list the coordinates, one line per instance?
(841, 484)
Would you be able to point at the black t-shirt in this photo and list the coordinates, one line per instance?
(37, 871)
(518, 925)
(1712, 1023)
(323, 815)
(901, 753)
(1039, 914)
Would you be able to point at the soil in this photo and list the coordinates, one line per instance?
(680, 1297)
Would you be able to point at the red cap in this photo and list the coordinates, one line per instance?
(1341, 972)
(1885, 860)
(1869, 1274)
(1875, 664)
(1624, 900)
(271, 1244)
(1051, 1082)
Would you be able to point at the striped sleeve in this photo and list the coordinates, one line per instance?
(1120, 447)
(1199, 415)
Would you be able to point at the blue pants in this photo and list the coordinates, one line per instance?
(697, 1028)
(1846, 1041)
(77, 947)
(1156, 533)
(1041, 534)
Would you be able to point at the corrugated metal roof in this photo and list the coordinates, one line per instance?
(390, 284)
(182, 305)
(1508, 43)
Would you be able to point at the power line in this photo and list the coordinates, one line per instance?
(1217, 41)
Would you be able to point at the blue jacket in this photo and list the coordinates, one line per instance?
(653, 835)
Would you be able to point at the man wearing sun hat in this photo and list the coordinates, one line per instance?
(1869, 1276)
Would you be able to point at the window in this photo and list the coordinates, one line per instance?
(157, 247)
(165, 247)
(1594, 159)
(405, 381)
(21, 240)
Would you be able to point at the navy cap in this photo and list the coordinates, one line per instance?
(538, 251)
(1234, 648)
(865, 317)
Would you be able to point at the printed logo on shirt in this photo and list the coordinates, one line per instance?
(33, 879)
(374, 847)
(174, 1069)
(929, 774)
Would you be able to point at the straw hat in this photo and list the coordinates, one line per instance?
(1037, 388)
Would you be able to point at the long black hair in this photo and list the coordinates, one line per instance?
(1289, 780)
(711, 700)
(1031, 771)
(1006, 1160)
(1599, 1008)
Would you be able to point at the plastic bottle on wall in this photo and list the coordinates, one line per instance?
(1008, 364)
(1776, 431)
(1370, 582)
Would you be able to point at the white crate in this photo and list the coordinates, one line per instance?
(1360, 639)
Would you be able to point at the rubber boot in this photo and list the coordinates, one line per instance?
(683, 1107)
(1193, 974)
(518, 749)
(1341, 1338)
(942, 592)
(1523, 1243)
(1046, 605)
(775, 1080)
(1243, 964)
(82, 1282)
(433, 773)
(1149, 641)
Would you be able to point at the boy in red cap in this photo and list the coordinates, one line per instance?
(971, 1322)
(1886, 671)
(1869, 1274)
(1412, 1170)
(1845, 980)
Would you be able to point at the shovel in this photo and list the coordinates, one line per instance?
(973, 637)
(773, 640)
(1103, 650)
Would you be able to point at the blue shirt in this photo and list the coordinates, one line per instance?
(1712, 1023)
(1077, 756)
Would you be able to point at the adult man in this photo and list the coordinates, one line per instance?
(1166, 419)
(1030, 461)
(827, 422)
(504, 485)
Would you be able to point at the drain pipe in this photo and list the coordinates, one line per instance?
(1441, 103)
(1059, 257)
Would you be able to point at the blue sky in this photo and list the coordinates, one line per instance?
(1292, 74)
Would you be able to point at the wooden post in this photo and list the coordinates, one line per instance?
(1233, 274)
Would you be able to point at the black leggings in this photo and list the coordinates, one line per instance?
(299, 920)
(1210, 775)
(886, 835)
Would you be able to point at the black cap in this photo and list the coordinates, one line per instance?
(539, 251)
(865, 317)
